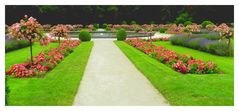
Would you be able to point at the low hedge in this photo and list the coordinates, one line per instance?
(209, 36)
(217, 47)
(13, 44)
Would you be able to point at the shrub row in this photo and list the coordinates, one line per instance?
(217, 47)
(43, 62)
(85, 35)
(15, 44)
(209, 36)
(180, 63)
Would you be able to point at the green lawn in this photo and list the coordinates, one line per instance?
(21, 55)
(186, 89)
(59, 86)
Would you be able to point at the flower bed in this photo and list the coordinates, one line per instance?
(180, 63)
(44, 61)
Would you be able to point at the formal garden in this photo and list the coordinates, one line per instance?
(187, 63)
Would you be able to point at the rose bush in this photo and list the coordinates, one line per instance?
(29, 29)
(180, 63)
(59, 31)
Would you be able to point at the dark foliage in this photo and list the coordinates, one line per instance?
(141, 14)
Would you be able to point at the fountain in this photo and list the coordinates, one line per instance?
(102, 33)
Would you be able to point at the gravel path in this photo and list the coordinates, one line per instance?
(110, 79)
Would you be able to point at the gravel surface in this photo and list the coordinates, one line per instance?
(110, 79)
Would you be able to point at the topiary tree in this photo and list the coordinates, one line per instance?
(59, 31)
(30, 29)
(121, 34)
(84, 35)
(205, 23)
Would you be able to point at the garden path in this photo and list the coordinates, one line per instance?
(111, 79)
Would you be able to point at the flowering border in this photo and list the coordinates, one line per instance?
(180, 63)
(44, 61)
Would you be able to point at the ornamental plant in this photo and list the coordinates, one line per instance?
(211, 27)
(28, 28)
(84, 35)
(121, 34)
(43, 62)
(181, 63)
(206, 22)
(180, 67)
(174, 29)
(193, 28)
(225, 33)
(59, 31)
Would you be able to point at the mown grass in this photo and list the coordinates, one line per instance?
(58, 87)
(186, 89)
(21, 55)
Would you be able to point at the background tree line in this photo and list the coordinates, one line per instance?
(141, 14)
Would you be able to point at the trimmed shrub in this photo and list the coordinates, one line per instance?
(162, 30)
(205, 23)
(188, 23)
(85, 35)
(121, 34)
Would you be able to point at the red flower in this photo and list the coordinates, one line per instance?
(181, 63)
(43, 62)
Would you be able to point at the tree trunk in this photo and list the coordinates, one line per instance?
(59, 40)
(30, 41)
